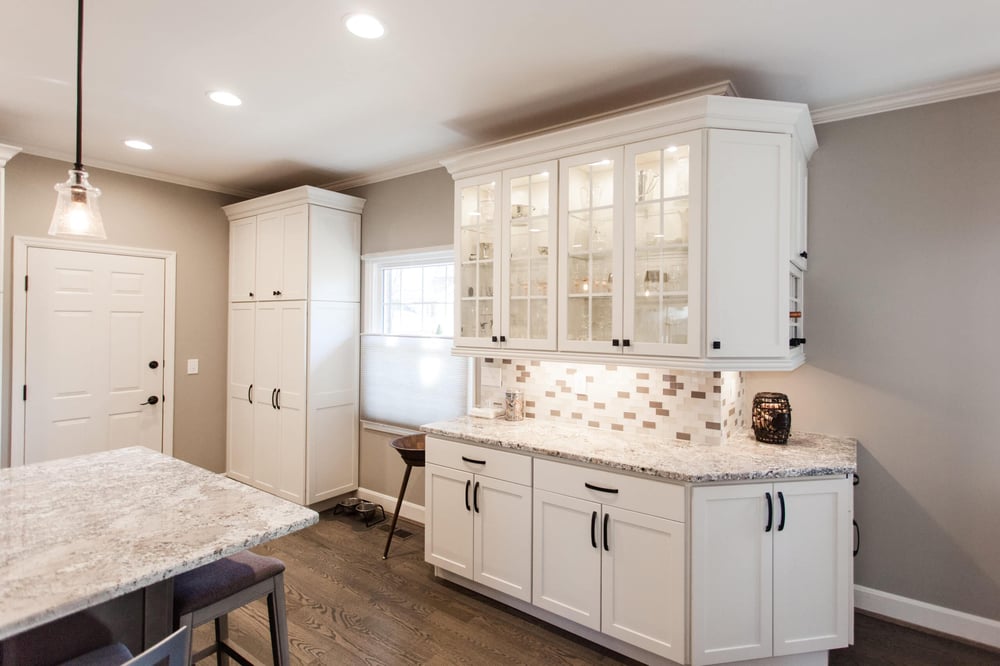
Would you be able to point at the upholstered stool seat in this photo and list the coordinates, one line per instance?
(216, 589)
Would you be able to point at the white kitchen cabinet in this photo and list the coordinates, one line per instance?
(505, 240)
(678, 225)
(770, 569)
(292, 426)
(478, 508)
(610, 553)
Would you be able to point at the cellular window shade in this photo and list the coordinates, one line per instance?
(409, 381)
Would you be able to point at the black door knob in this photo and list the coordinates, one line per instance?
(154, 364)
(151, 400)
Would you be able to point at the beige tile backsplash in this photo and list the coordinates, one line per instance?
(703, 407)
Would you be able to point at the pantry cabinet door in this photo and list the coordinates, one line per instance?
(567, 558)
(502, 528)
(239, 434)
(448, 533)
(642, 580)
(242, 258)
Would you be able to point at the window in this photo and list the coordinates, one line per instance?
(408, 374)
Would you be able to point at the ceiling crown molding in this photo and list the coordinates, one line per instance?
(970, 87)
(7, 152)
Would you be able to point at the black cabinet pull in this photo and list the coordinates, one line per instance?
(614, 342)
(474, 462)
(804, 254)
(251, 294)
(250, 394)
(277, 293)
(770, 512)
(468, 484)
(475, 497)
(626, 343)
(273, 391)
(613, 491)
(607, 517)
(716, 344)
(503, 338)
(781, 502)
(593, 527)
(277, 399)
(495, 339)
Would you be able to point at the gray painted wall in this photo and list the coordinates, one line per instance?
(902, 309)
(139, 212)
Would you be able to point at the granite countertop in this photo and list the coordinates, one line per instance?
(739, 459)
(79, 531)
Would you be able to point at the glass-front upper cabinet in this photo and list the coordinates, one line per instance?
(528, 266)
(590, 241)
(662, 262)
(477, 241)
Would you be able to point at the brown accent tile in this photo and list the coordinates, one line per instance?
(649, 425)
(698, 394)
(732, 410)
(594, 424)
(590, 380)
(669, 391)
(560, 382)
(642, 375)
(670, 378)
(550, 394)
(576, 415)
(535, 364)
(529, 403)
(570, 371)
(582, 396)
(685, 436)
(716, 375)
(712, 425)
(506, 361)
(716, 389)
(617, 426)
(566, 389)
(520, 379)
(624, 394)
(642, 389)
(526, 374)
(600, 405)
(678, 385)
(554, 412)
(655, 404)
(487, 360)
(663, 412)
(529, 415)
(629, 415)
(519, 368)
(611, 367)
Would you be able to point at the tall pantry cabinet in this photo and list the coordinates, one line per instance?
(294, 324)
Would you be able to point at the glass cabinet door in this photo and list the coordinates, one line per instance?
(529, 259)
(662, 261)
(477, 244)
(590, 240)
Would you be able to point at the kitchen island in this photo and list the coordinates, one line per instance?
(84, 532)
(663, 550)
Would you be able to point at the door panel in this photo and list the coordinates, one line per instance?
(266, 421)
(270, 254)
(241, 354)
(242, 254)
(295, 253)
(448, 536)
(503, 536)
(93, 323)
(290, 400)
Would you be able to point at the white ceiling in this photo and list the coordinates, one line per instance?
(322, 106)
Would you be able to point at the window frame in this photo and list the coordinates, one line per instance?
(373, 288)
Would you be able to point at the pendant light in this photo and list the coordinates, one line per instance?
(76, 211)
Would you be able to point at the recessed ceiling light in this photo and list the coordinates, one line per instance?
(138, 144)
(224, 98)
(364, 25)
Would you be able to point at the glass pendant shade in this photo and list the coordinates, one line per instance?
(77, 214)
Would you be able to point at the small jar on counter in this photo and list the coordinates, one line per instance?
(513, 405)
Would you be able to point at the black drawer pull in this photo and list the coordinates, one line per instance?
(607, 517)
(781, 502)
(770, 512)
(593, 527)
(467, 485)
(474, 462)
(613, 491)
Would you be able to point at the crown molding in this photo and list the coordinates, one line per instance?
(969, 87)
(144, 173)
(7, 152)
(387, 174)
(304, 194)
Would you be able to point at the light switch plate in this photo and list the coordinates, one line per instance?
(192, 366)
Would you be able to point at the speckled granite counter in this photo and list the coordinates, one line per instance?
(742, 458)
(80, 531)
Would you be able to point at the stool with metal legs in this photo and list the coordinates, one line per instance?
(411, 448)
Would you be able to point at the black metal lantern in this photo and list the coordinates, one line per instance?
(772, 418)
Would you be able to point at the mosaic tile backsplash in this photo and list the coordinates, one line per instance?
(702, 407)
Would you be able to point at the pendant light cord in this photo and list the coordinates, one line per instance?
(79, 87)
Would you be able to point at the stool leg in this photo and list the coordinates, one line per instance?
(278, 621)
(395, 515)
(221, 636)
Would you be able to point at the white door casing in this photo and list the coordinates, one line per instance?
(86, 380)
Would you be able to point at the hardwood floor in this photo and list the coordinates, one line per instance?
(346, 605)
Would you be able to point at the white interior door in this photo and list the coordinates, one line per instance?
(94, 326)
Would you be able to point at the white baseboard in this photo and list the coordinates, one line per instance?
(936, 618)
(410, 511)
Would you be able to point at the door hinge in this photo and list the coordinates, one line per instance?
(26, 283)
(24, 392)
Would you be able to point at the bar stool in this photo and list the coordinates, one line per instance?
(175, 648)
(411, 448)
(214, 590)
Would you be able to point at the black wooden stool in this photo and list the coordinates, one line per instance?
(411, 448)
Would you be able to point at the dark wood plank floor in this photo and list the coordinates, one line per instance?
(346, 605)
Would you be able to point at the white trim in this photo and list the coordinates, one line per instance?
(297, 195)
(372, 265)
(936, 618)
(385, 429)
(410, 511)
(943, 92)
(7, 152)
(19, 317)
(386, 174)
(446, 251)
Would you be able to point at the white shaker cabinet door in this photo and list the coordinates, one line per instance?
(242, 258)
(448, 533)
(502, 551)
(567, 557)
(283, 254)
(241, 351)
(290, 402)
(731, 556)
(643, 581)
(812, 565)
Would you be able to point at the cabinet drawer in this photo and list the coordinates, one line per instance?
(481, 460)
(657, 498)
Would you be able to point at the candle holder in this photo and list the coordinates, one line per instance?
(772, 418)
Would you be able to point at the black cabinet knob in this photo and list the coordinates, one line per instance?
(626, 343)
(716, 344)
(496, 339)
(503, 338)
(154, 365)
(614, 342)
(804, 254)
(251, 294)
